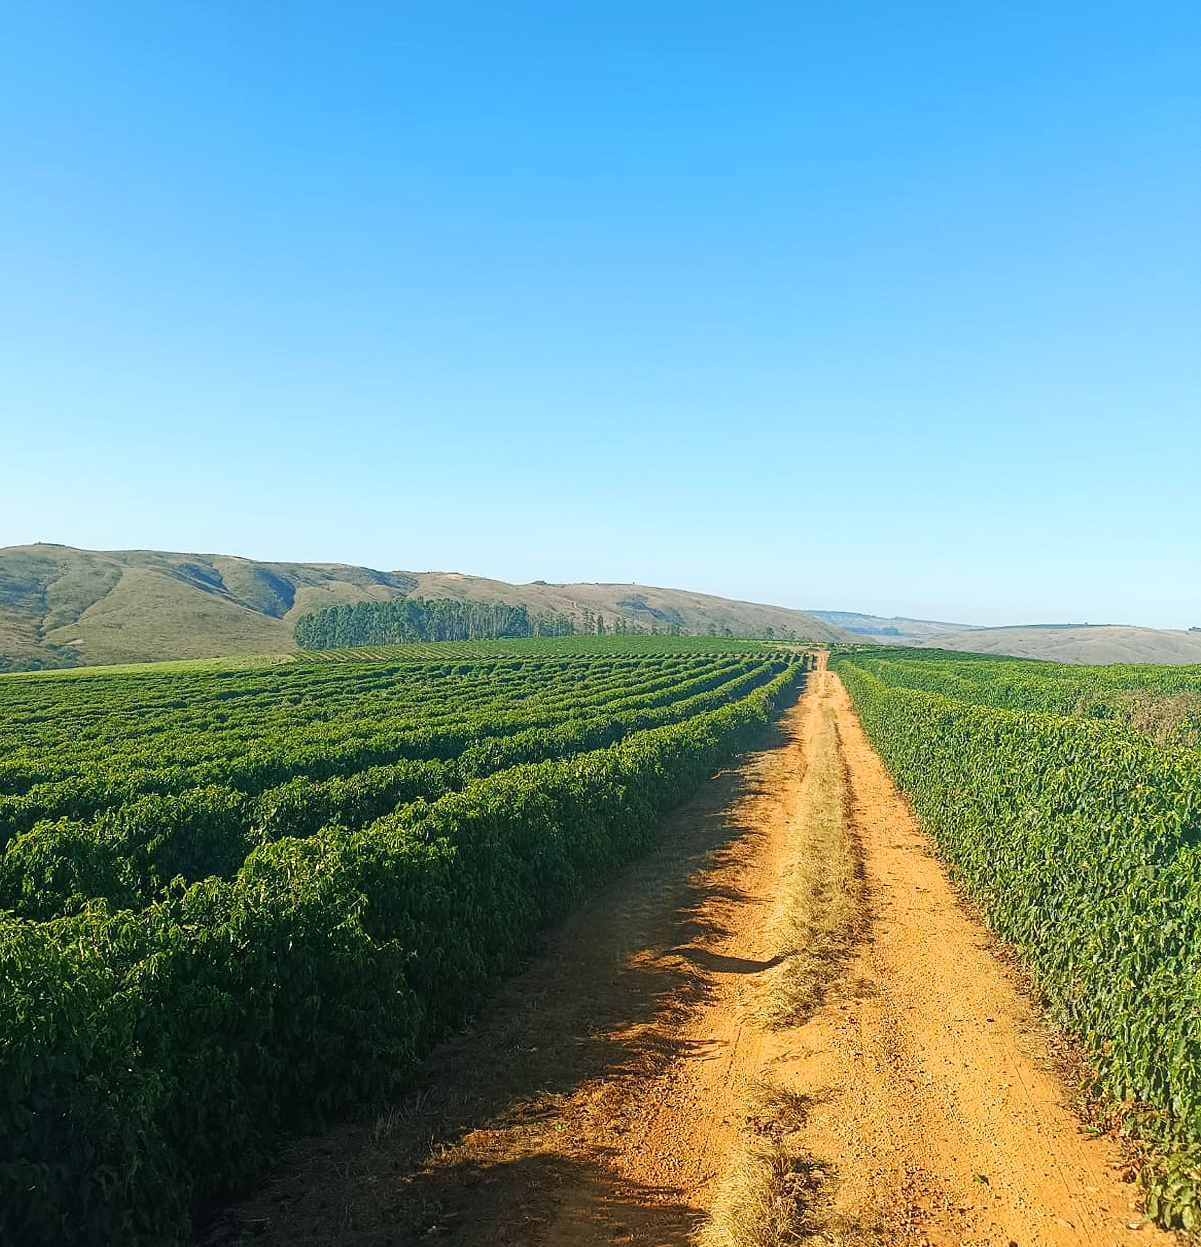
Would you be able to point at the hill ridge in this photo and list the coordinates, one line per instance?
(64, 606)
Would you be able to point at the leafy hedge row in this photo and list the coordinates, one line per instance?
(1082, 844)
(1126, 693)
(153, 1058)
(364, 734)
(128, 855)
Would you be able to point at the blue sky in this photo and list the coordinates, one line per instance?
(881, 307)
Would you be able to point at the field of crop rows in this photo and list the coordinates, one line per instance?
(1068, 801)
(236, 901)
(543, 647)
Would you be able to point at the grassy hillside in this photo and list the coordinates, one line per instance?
(1078, 643)
(640, 604)
(62, 607)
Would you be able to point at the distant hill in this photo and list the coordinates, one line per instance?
(1082, 643)
(895, 631)
(65, 607)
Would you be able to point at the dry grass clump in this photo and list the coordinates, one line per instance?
(773, 1110)
(763, 1201)
(821, 898)
(767, 1194)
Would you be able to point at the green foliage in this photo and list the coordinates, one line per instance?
(90, 744)
(416, 619)
(82, 1160)
(1162, 702)
(1081, 841)
(620, 642)
(196, 969)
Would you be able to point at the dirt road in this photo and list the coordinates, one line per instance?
(672, 1049)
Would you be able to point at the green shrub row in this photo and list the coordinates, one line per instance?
(363, 734)
(1159, 700)
(128, 855)
(153, 1058)
(53, 727)
(1081, 842)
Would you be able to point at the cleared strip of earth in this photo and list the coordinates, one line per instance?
(780, 1026)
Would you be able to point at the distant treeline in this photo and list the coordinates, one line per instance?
(405, 620)
(416, 619)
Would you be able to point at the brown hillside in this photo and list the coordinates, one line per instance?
(61, 607)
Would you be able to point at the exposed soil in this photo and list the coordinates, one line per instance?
(608, 1091)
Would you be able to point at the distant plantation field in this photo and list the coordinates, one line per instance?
(544, 647)
(1158, 701)
(237, 899)
(1068, 802)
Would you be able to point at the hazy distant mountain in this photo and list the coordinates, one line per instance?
(64, 607)
(895, 631)
(1083, 643)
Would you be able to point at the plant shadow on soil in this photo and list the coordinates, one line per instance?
(524, 1105)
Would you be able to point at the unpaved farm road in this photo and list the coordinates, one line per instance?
(610, 1090)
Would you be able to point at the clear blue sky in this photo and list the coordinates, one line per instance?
(879, 306)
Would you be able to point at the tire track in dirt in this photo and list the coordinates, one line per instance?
(601, 1097)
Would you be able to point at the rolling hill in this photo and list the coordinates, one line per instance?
(1076, 643)
(895, 631)
(1079, 643)
(61, 606)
